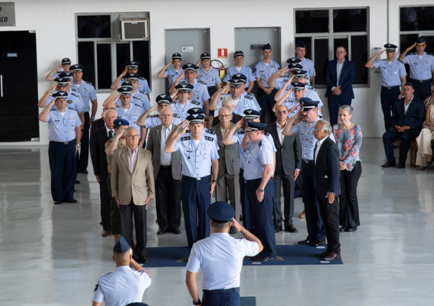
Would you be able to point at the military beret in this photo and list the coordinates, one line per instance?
(121, 245)
(164, 99)
(220, 212)
(121, 122)
(190, 67)
(255, 126)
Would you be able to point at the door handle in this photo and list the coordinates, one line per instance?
(1, 85)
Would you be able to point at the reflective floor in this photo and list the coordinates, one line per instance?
(53, 255)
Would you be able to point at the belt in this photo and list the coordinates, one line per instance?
(165, 166)
(389, 87)
(65, 143)
(421, 81)
(237, 289)
(196, 178)
(307, 160)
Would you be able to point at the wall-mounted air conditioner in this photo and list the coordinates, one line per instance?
(134, 29)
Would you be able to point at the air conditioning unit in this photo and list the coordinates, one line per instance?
(134, 29)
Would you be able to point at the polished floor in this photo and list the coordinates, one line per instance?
(53, 255)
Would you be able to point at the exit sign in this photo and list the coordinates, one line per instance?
(222, 52)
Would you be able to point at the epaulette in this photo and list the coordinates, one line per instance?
(142, 92)
(260, 143)
(74, 94)
(176, 116)
(185, 138)
(117, 106)
(203, 83)
(136, 98)
(195, 102)
(249, 97)
(69, 101)
(267, 134)
(88, 83)
(142, 78)
(154, 116)
(311, 88)
(210, 131)
(209, 138)
(138, 105)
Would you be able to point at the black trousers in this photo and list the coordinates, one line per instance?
(422, 89)
(139, 213)
(406, 137)
(168, 199)
(388, 98)
(221, 297)
(334, 103)
(62, 166)
(330, 217)
(83, 157)
(288, 184)
(105, 201)
(115, 217)
(348, 203)
(267, 102)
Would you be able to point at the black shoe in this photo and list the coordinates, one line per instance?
(342, 229)
(142, 259)
(161, 231)
(258, 257)
(297, 196)
(241, 218)
(77, 182)
(183, 259)
(291, 228)
(57, 202)
(176, 231)
(70, 201)
(388, 165)
(278, 229)
(401, 165)
(317, 243)
(305, 241)
(323, 254)
(84, 171)
(351, 229)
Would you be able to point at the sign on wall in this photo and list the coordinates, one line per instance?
(222, 52)
(7, 14)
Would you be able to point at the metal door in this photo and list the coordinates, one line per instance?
(190, 43)
(251, 40)
(19, 86)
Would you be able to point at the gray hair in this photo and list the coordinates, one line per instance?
(130, 129)
(326, 126)
(107, 111)
(348, 108)
(226, 108)
(228, 100)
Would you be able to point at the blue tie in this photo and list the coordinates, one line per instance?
(110, 134)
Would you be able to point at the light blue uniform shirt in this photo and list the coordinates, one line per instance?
(208, 133)
(246, 102)
(308, 93)
(259, 154)
(133, 113)
(309, 67)
(220, 257)
(62, 128)
(86, 92)
(391, 73)
(200, 92)
(172, 75)
(180, 111)
(420, 68)
(210, 78)
(140, 98)
(247, 71)
(196, 161)
(264, 71)
(73, 102)
(238, 139)
(143, 85)
(122, 287)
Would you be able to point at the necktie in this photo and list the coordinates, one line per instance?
(110, 134)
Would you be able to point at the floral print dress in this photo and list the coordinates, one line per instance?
(349, 142)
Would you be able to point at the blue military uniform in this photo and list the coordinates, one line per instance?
(391, 74)
(210, 78)
(247, 71)
(65, 61)
(139, 98)
(155, 120)
(306, 63)
(61, 152)
(308, 93)
(196, 181)
(260, 154)
(131, 115)
(263, 72)
(73, 101)
(172, 74)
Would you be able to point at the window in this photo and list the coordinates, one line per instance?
(101, 52)
(414, 22)
(324, 30)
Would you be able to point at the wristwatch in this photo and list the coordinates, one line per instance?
(77, 144)
(213, 181)
(260, 190)
(197, 303)
(93, 118)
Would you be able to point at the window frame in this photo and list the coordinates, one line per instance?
(331, 35)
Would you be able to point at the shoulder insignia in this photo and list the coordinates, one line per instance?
(142, 78)
(260, 143)
(136, 98)
(74, 94)
(195, 102)
(185, 138)
(142, 92)
(209, 138)
(267, 134)
(154, 116)
(88, 83)
(96, 288)
(69, 101)
(210, 131)
(201, 82)
(176, 115)
(249, 97)
(138, 105)
(117, 106)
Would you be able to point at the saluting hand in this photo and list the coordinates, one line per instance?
(53, 86)
(240, 123)
(125, 71)
(236, 225)
(283, 71)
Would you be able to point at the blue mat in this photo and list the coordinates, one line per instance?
(292, 255)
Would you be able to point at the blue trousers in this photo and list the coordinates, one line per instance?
(245, 206)
(297, 190)
(195, 202)
(228, 297)
(262, 215)
(334, 103)
(314, 223)
(84, 151)
(63, 170)
(406, 138)
(267, 102)
(422, 89)
(388, 99)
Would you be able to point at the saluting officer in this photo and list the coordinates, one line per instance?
(258, 172)
(208, 75)
(421, 68)
(239, 67)
(64, 134)
(199, 174)
(393, 75)
(281, 76)
(263, 70)
(138, 97)
(54, 74)
(307, 64)
(173, 73)
(132, 67)
(314, 223)
(183, 102)
(125, 285)
(87, 93)
(149, 120)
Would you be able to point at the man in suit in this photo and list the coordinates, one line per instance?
(132, 180)
(229, 164)
(167, 174)
(340, 74)
(328, 188)
(408, 116)
(99, 123)
(99, 161)
(288, 165)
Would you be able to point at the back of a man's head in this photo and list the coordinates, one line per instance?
(122, 259)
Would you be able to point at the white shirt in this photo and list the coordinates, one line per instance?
(132, 159)
(318, 147)
(108, 131)
(406, 106)
(122, 287)
(221, 259)
(279, 132)
(165, 158)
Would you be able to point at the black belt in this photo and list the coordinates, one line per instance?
(197, 178)
(65, 143)
(165, 166)
(307, 160)
(237, 289)
(421, 81)
(391, 87)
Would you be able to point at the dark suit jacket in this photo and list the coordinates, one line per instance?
(154, 145)
(327, 168)
(96, 124)
(346, 80)
(229, 158)
(413, 118)
(97, 151)
(288, 155)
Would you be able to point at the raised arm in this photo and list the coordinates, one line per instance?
(172, 88)
(114, 145)
(370, 63)
(174, 135)
(403, 54)
(43, 116)
(282, 90)
(161, 74)
(246, 234)
(279, 102)
(43, 101)
(227, 140)
(141, 120)
(49, 76)
(115, 83)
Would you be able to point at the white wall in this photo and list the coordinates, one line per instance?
(53, 20)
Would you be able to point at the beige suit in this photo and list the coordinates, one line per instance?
(138, 185)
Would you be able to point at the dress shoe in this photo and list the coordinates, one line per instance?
(183, 259)
(323, 254)
(176, 231)
(105, 233)
(342, 229)
(388, 165)
(142, 259)
(401, 165)
(302, 215)
(77, 182)
(317, 243)
(298, 196)
(161, 231)
(291, 228)
(332, 256)
(351, 229)
(84, 171)
(70, 201)
(278, 229)
(57, 202)
(305, 241)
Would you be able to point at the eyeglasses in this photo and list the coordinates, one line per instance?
(133, 136)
